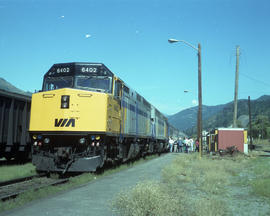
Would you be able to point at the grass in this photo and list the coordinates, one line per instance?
(207, 174)
(51, 190)
(16, 171)
(173, 196)
(196, 186)
(260, 183)
(264, 142)
(261, 187)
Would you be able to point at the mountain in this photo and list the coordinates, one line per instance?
(221, 115)
(6, 86)
(224, 118)
(264, 98)
(187, 118)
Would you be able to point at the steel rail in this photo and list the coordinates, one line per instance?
(13, 193)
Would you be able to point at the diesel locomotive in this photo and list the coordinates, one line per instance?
(86, 116)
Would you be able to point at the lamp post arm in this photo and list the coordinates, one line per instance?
(189, 45)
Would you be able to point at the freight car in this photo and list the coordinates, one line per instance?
(86, 116)
(14, 123)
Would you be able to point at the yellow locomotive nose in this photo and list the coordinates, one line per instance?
(70, 110)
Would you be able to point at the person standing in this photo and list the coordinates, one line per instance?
(197, 145)
(180, 145)
(185, 145)
(188, 145)
(175, 146)
(171, 144)
(191, 143)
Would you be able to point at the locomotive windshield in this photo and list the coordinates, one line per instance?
(52, 83)
(96, 83)
(86, 76)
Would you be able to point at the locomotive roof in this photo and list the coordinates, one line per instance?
(78, 68)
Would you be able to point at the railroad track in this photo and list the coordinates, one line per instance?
(11, 189)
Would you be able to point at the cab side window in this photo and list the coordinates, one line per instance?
(117, 88)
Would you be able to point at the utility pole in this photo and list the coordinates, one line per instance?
(236, 87)
(250, 124)
(200, 99)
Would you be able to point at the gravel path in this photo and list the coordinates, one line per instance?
(93, 198)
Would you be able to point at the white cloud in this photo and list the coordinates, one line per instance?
(87, 35)
(194, 102)
(62, 16)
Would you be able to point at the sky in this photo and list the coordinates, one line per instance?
(131, 38)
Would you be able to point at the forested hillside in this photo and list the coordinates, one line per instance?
(187, 118)
(222, 116)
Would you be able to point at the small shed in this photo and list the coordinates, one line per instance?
(227, 137)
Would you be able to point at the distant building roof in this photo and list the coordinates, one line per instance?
(234, 129)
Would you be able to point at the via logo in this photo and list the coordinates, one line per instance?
(64, 122)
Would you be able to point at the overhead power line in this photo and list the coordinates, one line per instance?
(256, 80)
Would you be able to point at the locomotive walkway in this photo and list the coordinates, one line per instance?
(94, 198)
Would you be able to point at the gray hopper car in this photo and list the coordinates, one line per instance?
(14, 123)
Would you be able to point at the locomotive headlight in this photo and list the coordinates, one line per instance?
(64, 105)
(46, 140)
(65, 101)
(65, 98)
(82, 140)
(97, 144)
(34, 137)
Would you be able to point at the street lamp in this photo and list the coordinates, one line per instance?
(199, 121)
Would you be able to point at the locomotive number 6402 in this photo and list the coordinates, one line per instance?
(89, 70)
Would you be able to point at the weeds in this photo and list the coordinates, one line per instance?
(197, 186)
(212, 207)
(16, 171)
(261, 142)
(261, 187)
(185, 189)
(260, 184)
(146, 198)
